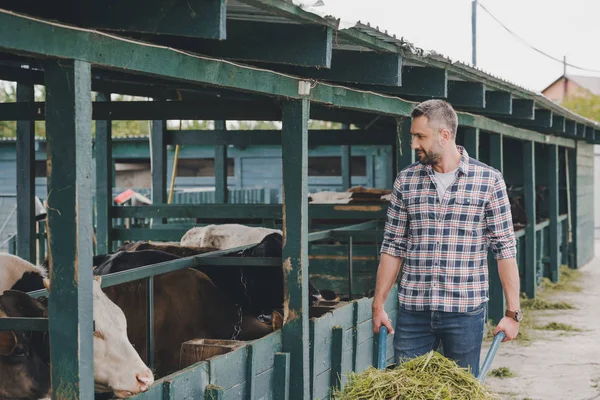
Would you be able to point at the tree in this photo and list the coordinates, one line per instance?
(8, 94)
(585, 104)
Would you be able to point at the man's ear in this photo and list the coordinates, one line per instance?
(445, 135)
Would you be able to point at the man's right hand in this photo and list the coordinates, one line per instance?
(380, 318)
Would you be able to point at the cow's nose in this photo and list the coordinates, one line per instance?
(145, 379)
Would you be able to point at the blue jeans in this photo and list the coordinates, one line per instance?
(461, 335)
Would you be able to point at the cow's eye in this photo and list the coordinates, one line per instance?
(19, 351)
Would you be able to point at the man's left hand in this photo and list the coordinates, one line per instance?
(510, 328)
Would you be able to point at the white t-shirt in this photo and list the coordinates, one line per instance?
(443, 181)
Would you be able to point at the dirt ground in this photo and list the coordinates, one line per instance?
(556, 364)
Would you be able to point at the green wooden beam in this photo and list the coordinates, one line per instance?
(195, 18)
(497, 306)
(337, 352)
(523, 109)
(104, 174)
(470, 140)
(542, 119)
(152, 110)
(491, 125)
(553, 182)
(572, 176)
(589, 134)
(498, 102)
(23, 324)
(298, 45)
(559, 125)
(580, 128)
(570, 128)
(466, 94)
(365, 67)
(422, 82)
(69, 147)
(158, 161)
(220, 168)
(530, 236)
(245, 138)
(405, 154)
(26, 180)
(346, 162)
(281, 389)
(295, 248)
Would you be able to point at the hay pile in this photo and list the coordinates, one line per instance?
(431, 376)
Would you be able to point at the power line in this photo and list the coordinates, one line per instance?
(531, 46)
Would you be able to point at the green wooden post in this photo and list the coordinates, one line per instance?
(26, 180)
(554, 245)
(69, 146)
(471, 141)
(158, 160)
(572, 154)
(251, 370)
(530, 237)
(282, 376)
(104, 177)
(295, 249)
(497, 306)
(346, 164)
(405, 155)
(337, 349)
(220, 168)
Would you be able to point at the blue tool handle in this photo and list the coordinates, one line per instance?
(381, 351)
(489, 358)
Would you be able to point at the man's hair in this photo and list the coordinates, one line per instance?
(439, 113)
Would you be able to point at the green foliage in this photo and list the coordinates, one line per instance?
(585, 104)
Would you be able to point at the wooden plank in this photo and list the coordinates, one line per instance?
(530, 245)
(265, 350)
(26, 180)
(497, 304)
(470, 140)
(295, 248)
(337, 342)
(158, 161)
(421, 82)
(363, 309)
(523, 109)
(365, 67)
(542, 119)
(405, 155)
(263, 42)
(189, 383)
(229, 369)
(251, 370)
(497, 102)
(320, 345)
(570, 128)
(580, 128)
(346, 161)
(69, 147)
(573, 252)
(265, 384)
(23, 324)
(589, 134)
(466, 94)
(281, 388)
(559, 125)
(194, 18)
(553, 199)
(220, 168)
(135, 234)
(103, 147)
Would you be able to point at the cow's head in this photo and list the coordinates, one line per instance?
(24, 356)
(118, 367)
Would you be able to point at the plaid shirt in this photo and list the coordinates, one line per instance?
(444, 242)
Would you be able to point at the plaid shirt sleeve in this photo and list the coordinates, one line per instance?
(395, 237)
(499, 222)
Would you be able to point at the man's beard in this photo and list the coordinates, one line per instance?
(430, 158)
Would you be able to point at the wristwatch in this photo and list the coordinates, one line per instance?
(516, 315)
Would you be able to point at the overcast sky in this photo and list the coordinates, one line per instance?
(557, 27)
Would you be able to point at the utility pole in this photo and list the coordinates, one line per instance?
(474, 30)
(564, 78)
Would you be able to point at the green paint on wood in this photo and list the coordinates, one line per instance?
(405, 155)
(251, 367)
(553, 182)
(337, 342)
(69, 141)
(299, 45)
(470, 138)
(523, 109)
(570, 128)
(220, 168)
(104, 177)
(530, 242)
(498, 102)
(573, 251)
(295, 248)
(282, 376)
(421, 82)
(158, 160)
(213, 392)
(23, 324)
(580, 130)
(466, 94)
(25, 180)
(195, 18)
(559, 125)
(542, 119)
(346, 162)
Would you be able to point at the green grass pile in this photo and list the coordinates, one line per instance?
(502, 372)
(540, 304)
(558, 326)
(431, 376)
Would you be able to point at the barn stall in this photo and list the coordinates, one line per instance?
(294, 67)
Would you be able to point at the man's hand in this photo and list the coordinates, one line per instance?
(510, 328)
(380, 318)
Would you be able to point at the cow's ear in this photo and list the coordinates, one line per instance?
(8, 341)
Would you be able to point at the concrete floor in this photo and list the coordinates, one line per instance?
(556, 364)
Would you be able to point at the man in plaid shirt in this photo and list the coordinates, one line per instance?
(445, 211)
